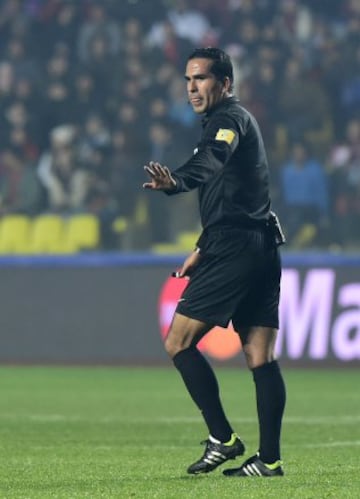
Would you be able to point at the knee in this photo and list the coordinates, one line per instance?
(184, 332)
(259, 345)
(257, 357)
(175, 343)
(171, 347)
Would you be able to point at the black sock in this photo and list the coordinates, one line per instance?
(201, 383)
(270, 399)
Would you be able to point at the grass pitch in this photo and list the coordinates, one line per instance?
(131, 433)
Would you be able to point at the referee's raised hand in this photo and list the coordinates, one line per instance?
(160, 177)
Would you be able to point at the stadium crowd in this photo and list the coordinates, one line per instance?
(90, 90)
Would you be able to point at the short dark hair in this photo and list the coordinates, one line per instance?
(222, 66)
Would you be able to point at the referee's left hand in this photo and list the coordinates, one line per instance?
(189, 265)
(160, 177)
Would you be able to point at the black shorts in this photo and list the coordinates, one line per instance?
(237, 279)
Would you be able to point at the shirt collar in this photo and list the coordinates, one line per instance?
(223, 104)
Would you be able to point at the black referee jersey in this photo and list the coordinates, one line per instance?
(230, 169)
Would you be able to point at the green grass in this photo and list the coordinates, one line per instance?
(131, 433)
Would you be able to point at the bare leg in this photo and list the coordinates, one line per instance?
(184, 332)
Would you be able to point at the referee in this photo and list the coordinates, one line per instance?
(235, 268)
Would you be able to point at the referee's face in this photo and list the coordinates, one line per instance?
(204, 90)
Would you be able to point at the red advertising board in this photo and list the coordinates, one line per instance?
(319, 316)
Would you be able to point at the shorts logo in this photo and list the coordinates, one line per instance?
(225, 135)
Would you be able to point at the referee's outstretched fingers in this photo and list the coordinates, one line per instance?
(149, 170)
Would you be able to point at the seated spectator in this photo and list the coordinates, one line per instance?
(22, 60)
(344, 166)
(102, 64)
(59, 24)
(64, 182)
(93, 135)
(297, 92)
(20, 140)
(25, 92)
(56, 91)
(85, 97)
(294, 21)
(305, 193)
(170, 46)
(187, 23)
(15, 115)
(99, 200)
(125, 175)
(179, 110)
(20, 190)
(350, 87)
(7, 80)
(162, 147)
(98, 24)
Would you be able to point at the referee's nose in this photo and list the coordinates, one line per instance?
(191, 86)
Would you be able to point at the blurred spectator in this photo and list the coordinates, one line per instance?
(350, 87)
(99, 200)
(265, 84)
(98, 26)
(58, 67)
(13, 19)
(85, 97)
(17, 130)
(294, 21)
(305, 193)
(162, 149)
(161, 80)
(17, 54)
(189, 23)
(20, 190)
(157, 110)
(125, 175)
(170, 46)
(261, 12)
(252, 101)
(127, 119)
(20, 140)
(64, 182)
(6, 84)
(297, 92)
(104, 67)
(344, 165)
(56, 104)
(59, 26)
(179, 110)
(94, 136)
(133, 38)
(25, 91)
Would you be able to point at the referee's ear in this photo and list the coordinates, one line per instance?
(227, 85)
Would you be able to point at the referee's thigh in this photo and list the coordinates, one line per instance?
(258, 344)
(184, 332)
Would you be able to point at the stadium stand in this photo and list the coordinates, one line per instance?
(47, 234)
(15, 234)
(91, 90)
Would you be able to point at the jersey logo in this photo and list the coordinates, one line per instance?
(225, 134)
